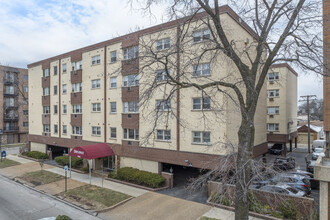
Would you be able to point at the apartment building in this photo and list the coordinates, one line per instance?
(14, 120)
(99, 94)
(282, 104)
(322, 166)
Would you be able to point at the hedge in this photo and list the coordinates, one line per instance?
(36, 155)
(139, 177)
(64, 160)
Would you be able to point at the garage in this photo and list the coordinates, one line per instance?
(56, 151)
(315, 133)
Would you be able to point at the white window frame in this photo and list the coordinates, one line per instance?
(202, 135)
(77, 109)
(55, 109)
(113, 82)
(273, 93)
(55, 70)
(163, 135)
(64, 89)
(163, 105)
(201, 103)
(202, 69)
(64, 67)
(128, 133)
(272, 76)
(131, 80)
(25, 124)
(96, 59)
(55, 90)
(64, 129)
(76, 65)
(131, 107)
(46, 72)
(77, 130)
(46, 110)
(96, 83)
(46, 128)
(113, 107)
(163, 44)
(113, 132)
(201, 35)
(96, 131)
(46, 91)
(76, 87)
(273, 127)
(96, 107)
(113, 56)
(273, 110)
(161, 75)
(65, 109)
(55, 129)
(131, 53)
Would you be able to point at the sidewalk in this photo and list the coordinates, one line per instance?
(145, 205)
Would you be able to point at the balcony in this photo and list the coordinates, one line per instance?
(76, 76)
(10, 117)
(76, 98)
(76, 119)
(7, 106)
(11, 129)
(10, 94)
(45, 82)
(45, 100)
(10, 81)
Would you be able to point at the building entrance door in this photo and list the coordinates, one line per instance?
(109, 162)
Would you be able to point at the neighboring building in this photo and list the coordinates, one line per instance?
(91, 95)
(14, 112)
(316, 133)
(282, 104)
(322, 166)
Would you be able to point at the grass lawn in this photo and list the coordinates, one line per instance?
(41, 177)
(8, 163)
(93, 194)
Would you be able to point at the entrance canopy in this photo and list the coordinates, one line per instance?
(92, 151)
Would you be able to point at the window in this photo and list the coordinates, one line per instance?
(55, 129)
(163, 135)
(161, 75)
(96, 59)
(9, 90)
(113, 56)
(46, 72)
(76, 87)
(25, 89)
(201, 35)
(131, 53)
(201, 103)
(46, 110)
(55, 109)
(273, 93)
(163, 44)
(201, 137)
(64, 88)
(25, 124)
(25, 77)
(131, 80)
(96, 107)
(96, 83)
(113, 82)
(163, 105)
(25, 101)
(76, 130)
(77, 109)
(273, 110)
(77, 65)
(273, 76)
(113, 132)
(46, 91)
(55, 70)
(25, 112)
(10, 77)
(64, 67)
(96, 131)
(46, 128)
(64, 109)
(131, 134)
(113, 107)
(202, 69)
(10, 102)
(273, 127)
(64, 129)
(131, 107)
(55, 90)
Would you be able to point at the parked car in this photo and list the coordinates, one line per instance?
(284, 163)
(317, 152)
(318, 144)
(284, 189)
(310, 166)
(315, 184)
(276, 149)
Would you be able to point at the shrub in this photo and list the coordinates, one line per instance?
(221, 199)
(85, 169)
(64, 160)
(288, 209)
(63, 217)
(139, 177)
(36, 155)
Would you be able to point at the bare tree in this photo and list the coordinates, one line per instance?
(284, 31)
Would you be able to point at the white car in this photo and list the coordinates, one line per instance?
(284, 189)
(318, 144)
(317, 152)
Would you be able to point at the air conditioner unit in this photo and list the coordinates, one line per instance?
(271, 82)
(271, 99)
(129, 142)
(129, 116)
(270, 132)
(75, 137)
(128, 88)
(271, 116)
(75, 115)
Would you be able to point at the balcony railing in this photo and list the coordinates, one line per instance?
(11, 128)
(9, 81)
(10, 117)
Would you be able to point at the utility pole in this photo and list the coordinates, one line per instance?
(307, 98)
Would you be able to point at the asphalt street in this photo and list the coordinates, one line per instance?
(21, 203)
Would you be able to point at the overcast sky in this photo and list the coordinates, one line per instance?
(32, 30)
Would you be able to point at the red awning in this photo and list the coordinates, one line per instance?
(92, 151)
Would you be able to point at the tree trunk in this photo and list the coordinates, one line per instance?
(244, 169)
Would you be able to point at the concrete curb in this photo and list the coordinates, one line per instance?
(135, 185)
